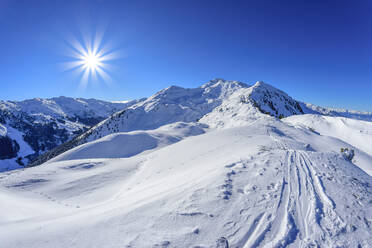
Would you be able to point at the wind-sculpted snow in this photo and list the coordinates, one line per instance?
(262, 184)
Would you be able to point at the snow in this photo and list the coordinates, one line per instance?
(263, 184)
(202, 167)
(173, 104)
(355, 133)
(127, 144)
(3, 130)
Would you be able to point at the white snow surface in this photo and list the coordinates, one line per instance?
(261, 184)
(356, 133)
(127, 144)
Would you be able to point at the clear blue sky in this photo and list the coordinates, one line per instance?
(316, 51)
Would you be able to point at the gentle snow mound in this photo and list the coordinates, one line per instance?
(127, 144)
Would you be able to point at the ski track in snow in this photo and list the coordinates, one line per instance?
(304, 212)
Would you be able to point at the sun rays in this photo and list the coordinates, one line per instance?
(90, 58)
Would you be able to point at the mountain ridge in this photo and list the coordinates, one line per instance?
(217, 103)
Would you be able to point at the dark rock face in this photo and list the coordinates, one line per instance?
(8, 148)
(274, 102)
(89, 121)
(41, 136)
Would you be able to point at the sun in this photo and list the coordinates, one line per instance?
(91, 59)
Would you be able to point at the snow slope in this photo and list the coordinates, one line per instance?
(260, 184)
(355, 132)
(127, 144)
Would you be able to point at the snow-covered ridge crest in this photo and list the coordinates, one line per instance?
(167, 106)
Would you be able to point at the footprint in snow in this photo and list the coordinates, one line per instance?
(222, 243)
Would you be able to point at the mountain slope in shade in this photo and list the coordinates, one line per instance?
(38, 125)
(263, 184)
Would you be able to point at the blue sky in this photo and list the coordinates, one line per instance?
(316, 51)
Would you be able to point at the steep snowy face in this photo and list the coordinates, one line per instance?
(247, 105)
(34, 126)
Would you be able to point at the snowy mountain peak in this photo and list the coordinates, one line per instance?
(219, 82)
(273, 101)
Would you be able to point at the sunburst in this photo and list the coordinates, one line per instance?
(90, 59)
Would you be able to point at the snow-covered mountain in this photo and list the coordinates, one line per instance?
(222, 165)
(217, 103)
(31, 127)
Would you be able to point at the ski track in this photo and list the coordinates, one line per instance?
(305, 214)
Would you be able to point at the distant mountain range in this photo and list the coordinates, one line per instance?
(29, 128)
